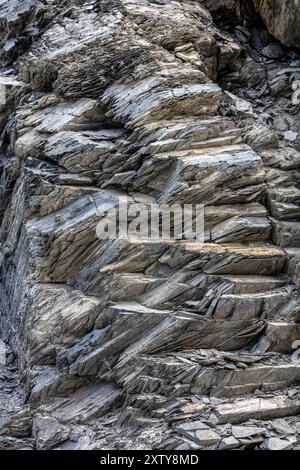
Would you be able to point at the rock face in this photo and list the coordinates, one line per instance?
(282, 18)
(137, 343)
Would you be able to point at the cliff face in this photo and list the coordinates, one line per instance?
(147, 344)
(282, 18)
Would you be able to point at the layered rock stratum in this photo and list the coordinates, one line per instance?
(130, 344)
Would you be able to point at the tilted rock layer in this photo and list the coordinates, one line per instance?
(147, 344)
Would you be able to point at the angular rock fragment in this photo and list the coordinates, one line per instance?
(48, 432)
(277, 444)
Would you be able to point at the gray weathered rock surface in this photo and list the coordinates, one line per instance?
(138, 344)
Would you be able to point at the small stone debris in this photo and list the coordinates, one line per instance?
(273, 51)
(241, 432)
(282, 427)
(291, 136)
(207, 437)
(229, 443)
(274, 443)
(193, 426)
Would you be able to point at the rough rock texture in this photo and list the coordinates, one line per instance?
(282, 17)
(147, 344)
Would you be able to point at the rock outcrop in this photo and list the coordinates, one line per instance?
(130, 343)
(282, 18)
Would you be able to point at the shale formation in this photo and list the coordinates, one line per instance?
(132, 344)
